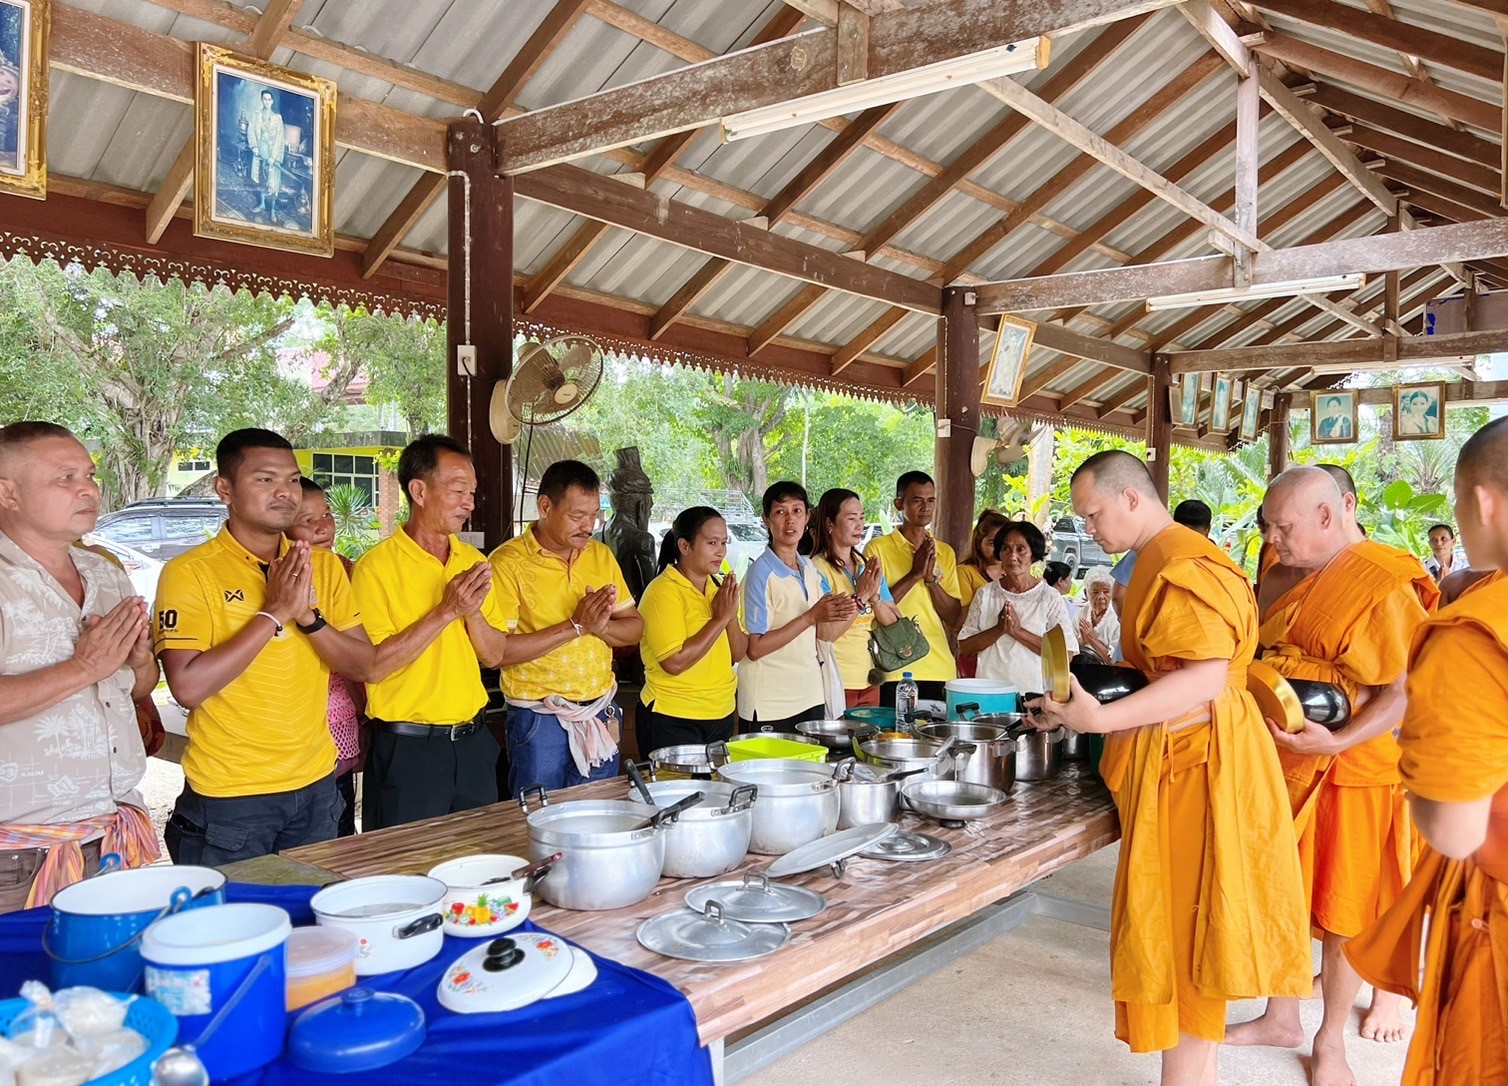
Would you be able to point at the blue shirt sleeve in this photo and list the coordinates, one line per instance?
(1123, 569)
(885, 590)
(757, 598)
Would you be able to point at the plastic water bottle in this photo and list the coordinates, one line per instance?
(906, 693)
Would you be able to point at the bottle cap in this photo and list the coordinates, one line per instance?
(905, 674)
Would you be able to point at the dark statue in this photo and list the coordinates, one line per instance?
(627, 534)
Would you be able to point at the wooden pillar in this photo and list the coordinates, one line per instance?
(957, 377)
(1160, 427)
(1277, 434)
(484, 270)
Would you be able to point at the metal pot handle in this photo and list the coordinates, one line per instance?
(717, 754)
(713, 911)
(756, 878)
(843, 770)
(673, 812)
(418, 927)
(636, 780)
(967, 709)
(743, 797)
(533, 789)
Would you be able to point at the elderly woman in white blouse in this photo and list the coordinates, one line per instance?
(1009, 616)
(1099, 626)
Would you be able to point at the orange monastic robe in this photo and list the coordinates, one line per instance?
(1455, 750)
(1351, 624)
(1267, 557)
(1208, 902)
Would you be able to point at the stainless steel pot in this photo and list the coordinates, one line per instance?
(838, 735)
(605, 863)
(690, 760)
(798, 802)
(712, 837)
(863, 802)
(1039, 755)
(901, 753)
(986, 753)
(1075, 746)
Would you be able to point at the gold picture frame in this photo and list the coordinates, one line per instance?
(1419, 411)
(1332, 417)
(1013, 346)
(264, 140)
(24, 29)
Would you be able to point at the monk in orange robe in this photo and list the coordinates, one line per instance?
(1454, 585)
(1455, 766)
(1208, 903)
(1350, 623)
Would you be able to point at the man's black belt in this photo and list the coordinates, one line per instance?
(448, 732)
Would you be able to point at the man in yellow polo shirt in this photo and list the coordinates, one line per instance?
(248, 627)
(567, 607)
(923, 576)
(428, 603)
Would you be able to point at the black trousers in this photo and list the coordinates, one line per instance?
(927, 690)
(784, 724)
(658, 730)
(411, 777)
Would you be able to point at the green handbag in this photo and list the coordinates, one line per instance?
(896, 647)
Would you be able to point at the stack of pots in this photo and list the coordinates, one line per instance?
(798, 802)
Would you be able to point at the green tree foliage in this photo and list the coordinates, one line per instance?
(403, 360)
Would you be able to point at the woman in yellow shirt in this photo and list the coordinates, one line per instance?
(974, 572)
(691, 637)
(837, 531)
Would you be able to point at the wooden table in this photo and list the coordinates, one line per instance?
(876, 910)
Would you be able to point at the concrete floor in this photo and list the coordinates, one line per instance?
(1032, 1008)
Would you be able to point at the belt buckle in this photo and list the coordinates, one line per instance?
(455, 731)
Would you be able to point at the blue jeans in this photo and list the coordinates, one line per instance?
(539, 752)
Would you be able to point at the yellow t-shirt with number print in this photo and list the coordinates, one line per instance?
(536, 590)
(265, 731)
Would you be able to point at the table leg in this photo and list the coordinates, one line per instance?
(715, 1051)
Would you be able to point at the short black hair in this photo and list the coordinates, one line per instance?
(421, 456)
(233, 447)
(560, 476)
(309, 486)
(910, 479)
(1054, 572)
(1035, 540)
(1193, 513)
(15, 438)
(1447, 527)
(784, 490)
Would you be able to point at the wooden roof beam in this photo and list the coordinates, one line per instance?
(1366, 302)
(1397, 149)
(1124, 396)
(1435, 46)
(915, 371)
(847, 354)
(1419, 180)
(787, 315)
(784, 70)
(1408, 350)
(1410, 126)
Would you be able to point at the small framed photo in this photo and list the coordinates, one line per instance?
(265, 154)
(1186, 410)
(1419, 412)
(1251, 413)
(1332, 418)
(1220, 402)
(1013, 346)
(24, 27)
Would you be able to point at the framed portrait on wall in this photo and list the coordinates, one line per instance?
(1013, 345)
(1220, 402)
(1419, 412)
(1251, 413)
(24, 26)
(264, 154)
(1332, 418)
(1186, 409)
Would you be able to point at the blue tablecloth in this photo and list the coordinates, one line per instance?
(628, 1029)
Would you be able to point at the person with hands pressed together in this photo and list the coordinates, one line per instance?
(692, 637)
(923, 576)
(837, 530)
(248, 627)
(567, 606)
(428, 602)
(1454, 764)
(1009, 617)
(74, 654)
(788, 607)
(1099, 626)
(1208, 902)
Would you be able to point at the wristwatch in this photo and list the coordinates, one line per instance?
(318, 624)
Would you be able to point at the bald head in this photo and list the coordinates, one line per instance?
(1113, 471)
(1306, 517)
(1114, 493)
(1482, 495)
(1349, 500)
(1483, 460)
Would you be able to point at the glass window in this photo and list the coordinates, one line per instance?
(322, 462)
(128, 530)
(343, 470)
(344, 465)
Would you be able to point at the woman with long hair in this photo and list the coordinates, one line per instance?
(1009, 616)
(837, 531)
(787, 609)
(691, 637)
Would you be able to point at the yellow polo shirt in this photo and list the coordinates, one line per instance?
(895, 555)
(536, 590)
(397, 583)
(852, 649)
(970, 580)
(265, 731)
(675, 611)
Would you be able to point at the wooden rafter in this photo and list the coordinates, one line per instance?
(1418, 41)
(1410, 126)
(1419, 180)
(1477, 176)
(872, 334)
(1277, 332)
(1404, 351)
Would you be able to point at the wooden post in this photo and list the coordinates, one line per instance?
(480, 314)
(957, 379)
(1160, 428)
(1277, 434)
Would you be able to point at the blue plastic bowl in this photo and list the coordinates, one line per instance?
(146, 1016)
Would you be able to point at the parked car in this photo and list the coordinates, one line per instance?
(163, 528)
(142, 570)
(1072, 545)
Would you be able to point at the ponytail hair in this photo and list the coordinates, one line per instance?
(687, 525)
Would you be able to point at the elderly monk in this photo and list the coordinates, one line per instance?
(1208, 902)
(1455, 766)
(1350, 623)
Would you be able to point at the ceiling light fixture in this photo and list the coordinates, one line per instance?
(1319, 285)
(1021, 56)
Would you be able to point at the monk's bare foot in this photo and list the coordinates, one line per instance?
(1264, 1031)
(1329, 1067)
(1384, 1022)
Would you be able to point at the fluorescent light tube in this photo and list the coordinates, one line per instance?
(1319, 285)
(1021, 56)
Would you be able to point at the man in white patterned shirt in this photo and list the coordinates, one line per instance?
(74, 654)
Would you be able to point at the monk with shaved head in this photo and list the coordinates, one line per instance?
(1208, 903)
(1349, 622)
(1454, 739)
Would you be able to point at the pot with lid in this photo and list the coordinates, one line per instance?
(985, 754)
(611, 854)
(798, 802)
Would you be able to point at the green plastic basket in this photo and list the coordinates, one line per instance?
(763, 746)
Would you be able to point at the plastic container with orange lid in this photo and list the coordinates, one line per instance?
(321, 962)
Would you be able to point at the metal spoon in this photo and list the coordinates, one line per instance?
(181, 1065)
